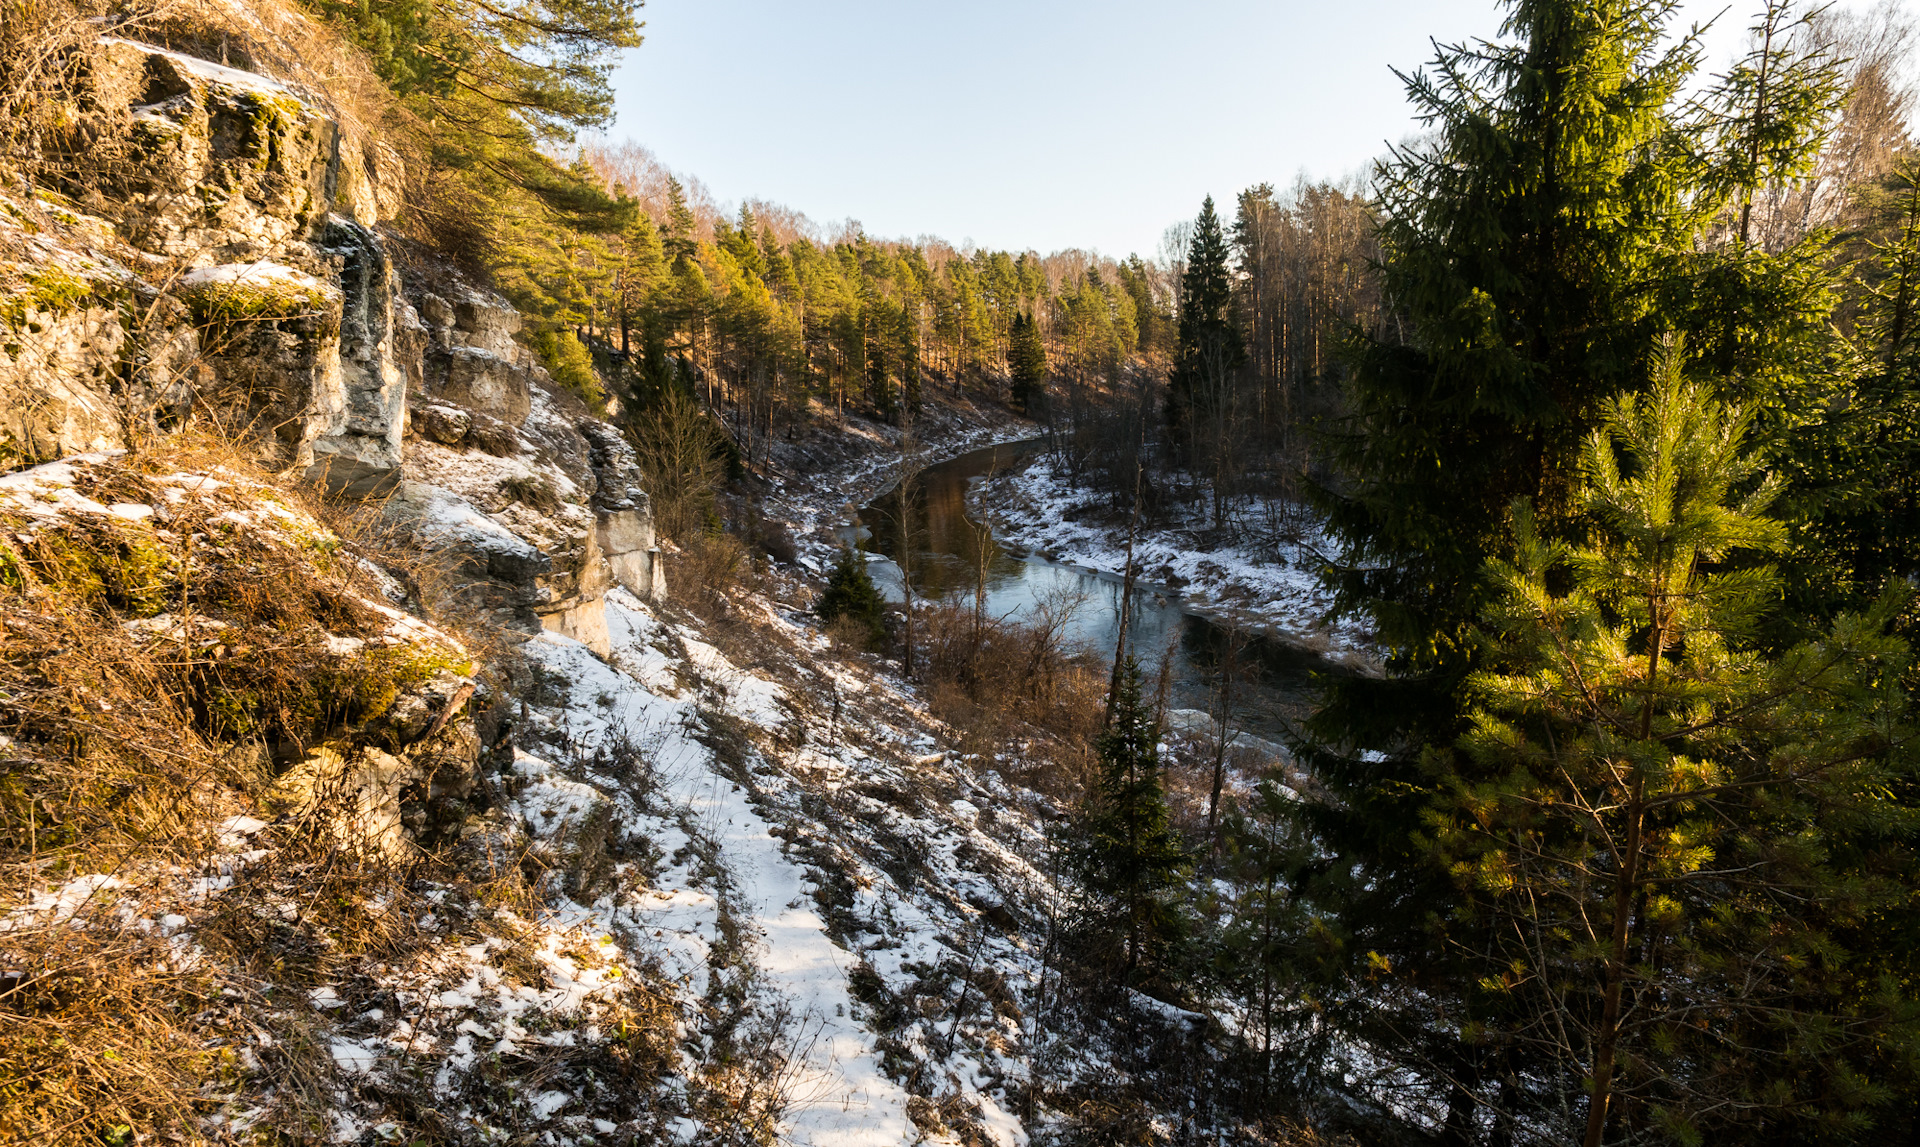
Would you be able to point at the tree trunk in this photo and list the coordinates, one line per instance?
(1607, 1037)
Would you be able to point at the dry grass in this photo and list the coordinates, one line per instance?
(999, 682)
(103, 1035)
(153, 675)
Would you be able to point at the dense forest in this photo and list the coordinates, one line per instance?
(1616, 439)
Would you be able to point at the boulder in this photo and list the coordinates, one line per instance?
(482, 380)
(271, 336)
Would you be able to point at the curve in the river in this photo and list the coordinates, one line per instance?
(1271, 690)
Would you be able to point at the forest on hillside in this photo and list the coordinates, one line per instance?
(1604, 387)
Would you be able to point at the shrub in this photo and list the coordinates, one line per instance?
(571, 365)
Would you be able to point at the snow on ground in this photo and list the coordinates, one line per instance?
(845, 1099)
(210, 72)
(260, 273)
(814, 505)
(1274, 587)
(663, 688)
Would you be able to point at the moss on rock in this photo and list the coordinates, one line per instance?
(49, 291)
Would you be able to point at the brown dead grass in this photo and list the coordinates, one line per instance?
(1002, 683)
(103, 1034)
(125, 746)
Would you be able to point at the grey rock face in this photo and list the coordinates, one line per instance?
(266, 300)
(56, 383)
(624, 524)
(277, 379)
(236, 165)
(377, 338)
(486, 382)
(234, 170)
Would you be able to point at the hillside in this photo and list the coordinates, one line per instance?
(496, 650)
(374, 773)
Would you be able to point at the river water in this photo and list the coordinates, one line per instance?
(1272, 685)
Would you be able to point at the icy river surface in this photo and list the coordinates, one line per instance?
(1272, 679)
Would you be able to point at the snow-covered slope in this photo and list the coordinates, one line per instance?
(738, 772)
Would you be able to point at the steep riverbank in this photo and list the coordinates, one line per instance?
(820, 480)
(954, 557)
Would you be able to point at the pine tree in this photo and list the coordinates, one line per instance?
(851, 594)
(494, 88)
(642, 266)
(1208, 349)
(1130, 859)
(878, 329)
(678, 240)
(1672, 832)
(906, 343)
(1137, 280)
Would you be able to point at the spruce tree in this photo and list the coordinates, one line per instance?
(1536, 246)
(1677, 837)
(1856, 469)
(1027, 363)
(1208, 348)
(851, 594)
(678, 241)
(1130, 859)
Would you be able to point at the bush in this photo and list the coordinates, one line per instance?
(851, 594)
(998, 680)
(571, 365)
(682, 461)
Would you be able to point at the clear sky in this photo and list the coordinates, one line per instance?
(1062, 123)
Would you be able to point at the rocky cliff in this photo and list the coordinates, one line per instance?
(238, 278)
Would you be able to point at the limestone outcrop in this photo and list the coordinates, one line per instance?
(493, 438)
(240, 276)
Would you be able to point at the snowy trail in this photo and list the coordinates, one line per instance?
(839, 1096)
(842, 1099)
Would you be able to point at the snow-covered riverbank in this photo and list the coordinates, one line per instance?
(1272, 589)
(825, 478)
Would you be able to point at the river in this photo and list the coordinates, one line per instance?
(1272, 686)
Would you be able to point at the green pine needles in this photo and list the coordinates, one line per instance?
(1027, 363)
(1208, 349)
(1665, 837)
(851, 594)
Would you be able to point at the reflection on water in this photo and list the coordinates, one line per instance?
(950, 550)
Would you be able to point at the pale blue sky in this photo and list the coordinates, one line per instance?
(1071, 123)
